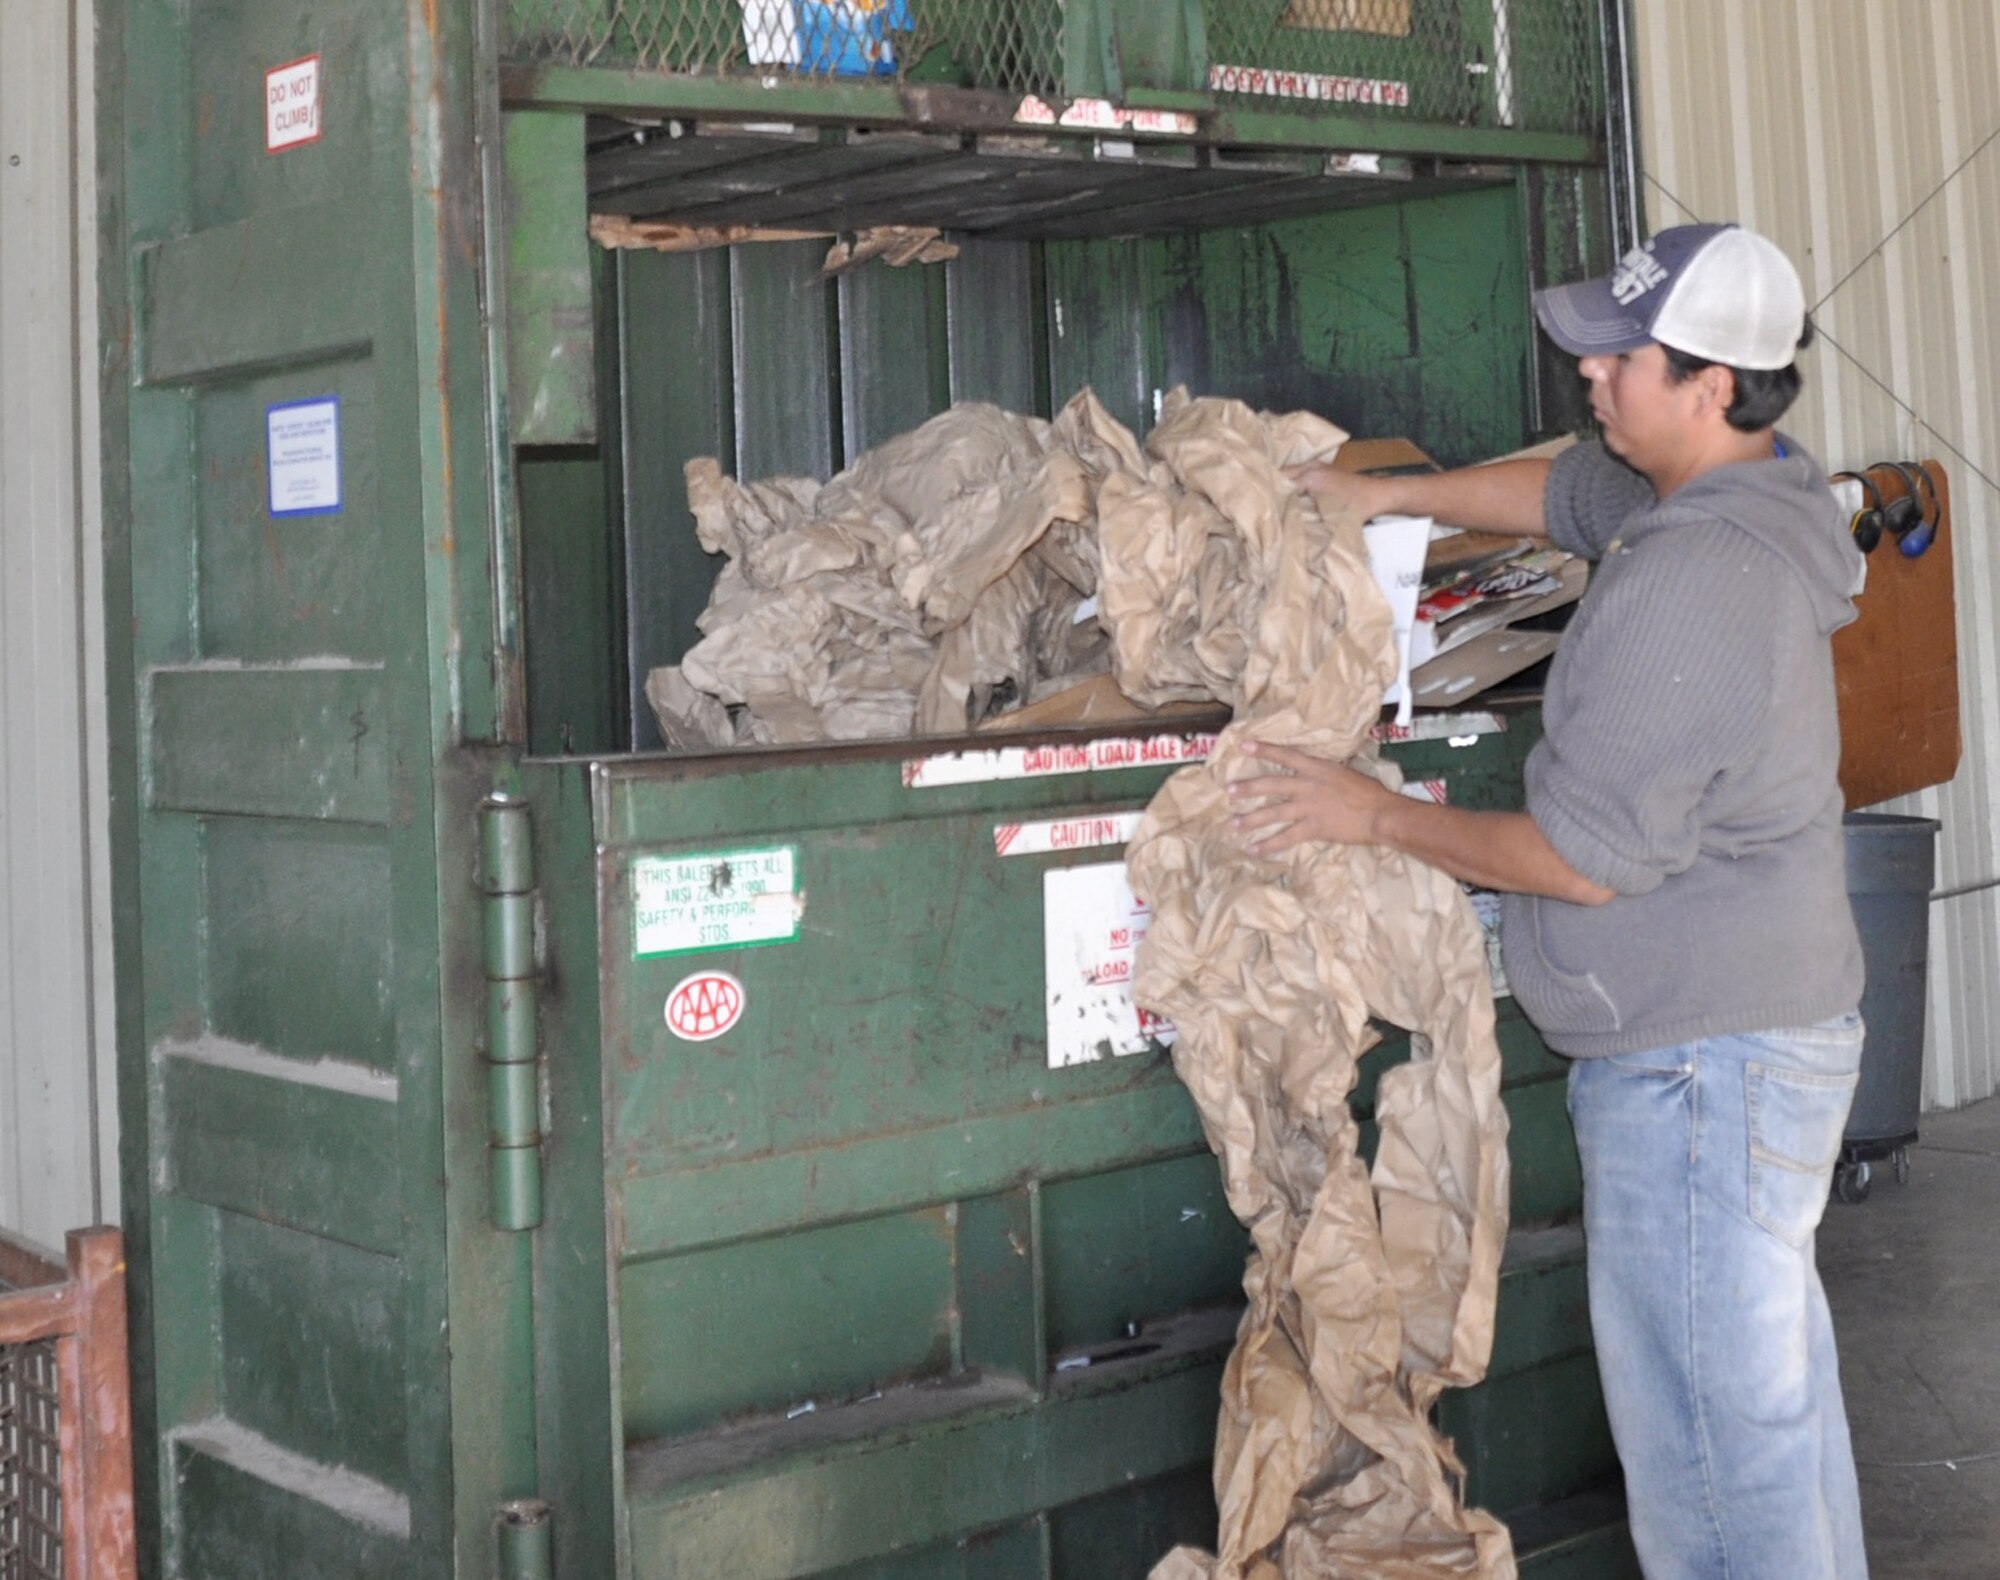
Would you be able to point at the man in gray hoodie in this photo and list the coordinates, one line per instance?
(1676, 916)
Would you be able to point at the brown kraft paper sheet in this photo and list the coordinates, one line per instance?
(1369, 1292)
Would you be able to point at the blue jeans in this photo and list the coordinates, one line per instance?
(1705, 1172)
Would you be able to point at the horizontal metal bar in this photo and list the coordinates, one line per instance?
(927, 1483)
(297, 284)
(210, 727)
(667, 1212)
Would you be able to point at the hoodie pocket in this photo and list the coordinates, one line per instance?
(1558, 999)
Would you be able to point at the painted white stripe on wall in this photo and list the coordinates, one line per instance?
(1830, 124)
(57, 1145)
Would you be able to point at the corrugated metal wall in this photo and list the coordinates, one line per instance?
(1864, 137)
(57, 1146)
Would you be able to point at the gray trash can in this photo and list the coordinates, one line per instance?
(1891, 864)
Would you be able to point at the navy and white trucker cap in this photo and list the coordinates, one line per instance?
(1718, 292)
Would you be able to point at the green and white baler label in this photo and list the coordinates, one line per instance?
(724, 900)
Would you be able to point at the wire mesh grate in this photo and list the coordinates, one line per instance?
(1504, 64)
(30, 1463)
(1528, 65)
(1014, 45)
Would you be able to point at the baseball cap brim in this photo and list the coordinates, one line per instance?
(1586, 320)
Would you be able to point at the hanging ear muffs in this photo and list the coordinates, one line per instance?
(1911, 520)
(1865, 523)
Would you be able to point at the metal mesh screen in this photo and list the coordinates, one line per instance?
(1528, 65)
(30, 1463)
(1010, 44)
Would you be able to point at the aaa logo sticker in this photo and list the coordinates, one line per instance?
(704, 1006)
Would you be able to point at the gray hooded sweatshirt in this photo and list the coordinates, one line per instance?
(1689, 761)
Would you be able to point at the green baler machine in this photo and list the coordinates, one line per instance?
(461, 1242)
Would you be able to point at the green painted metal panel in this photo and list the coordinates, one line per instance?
(1015, 1552)
(308, 1155)
(993, 324)
(287, 586)
(231, 175)
(310, 1336)
(1099, 332)
(1120, 1535)
(784, 361)
(1127, 1245)
(810, 1319)
(1002, 1324)
(910, 1487)
(893, 370)
(570, 602)
(300, 933)
(211, 729)
(232, 1525)
(551, 314)
(675, 392)
(300, 282)
(1548, 1180)
(1531, 1437)
(683, 1208)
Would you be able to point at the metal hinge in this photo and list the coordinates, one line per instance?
(513, 1039)
(524, 1540)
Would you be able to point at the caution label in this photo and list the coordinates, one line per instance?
(1092, 923)
(1037, 762)
(728, 900)
(1065, 833)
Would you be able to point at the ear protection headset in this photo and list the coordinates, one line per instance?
(1865, 523)
(1910, 520)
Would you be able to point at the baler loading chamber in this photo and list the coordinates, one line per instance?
(889, 1291)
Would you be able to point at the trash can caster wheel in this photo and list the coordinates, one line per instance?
(1902, 1165)
(1850, 1182)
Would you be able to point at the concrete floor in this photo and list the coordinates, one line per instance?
(1914, 1280)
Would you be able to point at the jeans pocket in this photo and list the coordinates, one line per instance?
(1796, 1121)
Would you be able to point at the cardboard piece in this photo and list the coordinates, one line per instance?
(1895, 668)
(1370, 1290)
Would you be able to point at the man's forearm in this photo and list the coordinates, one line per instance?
(1493, 850)
(1504, 497)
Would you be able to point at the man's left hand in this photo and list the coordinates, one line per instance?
(1312, 799)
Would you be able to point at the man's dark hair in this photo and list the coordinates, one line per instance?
(1763, 395)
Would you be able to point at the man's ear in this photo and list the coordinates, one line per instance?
(1719, 385)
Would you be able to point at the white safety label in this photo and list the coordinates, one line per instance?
(727, 900)
(291, 104)
(1036, 762)
(1442, 727)
(1065, 833)
(302, 456)
(1091, 927)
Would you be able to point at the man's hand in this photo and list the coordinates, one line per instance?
(1339, 490)
(1311, 799)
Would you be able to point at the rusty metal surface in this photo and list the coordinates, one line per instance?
(31, 1538)
(65, 1416)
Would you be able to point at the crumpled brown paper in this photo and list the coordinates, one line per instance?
(940, 574)
(1368, 1295)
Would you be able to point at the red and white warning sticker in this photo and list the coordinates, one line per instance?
(291, 104)
(1452, 727)
(1065, 833)
(1038, 762)
(704, 1006)
(1091, 927)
